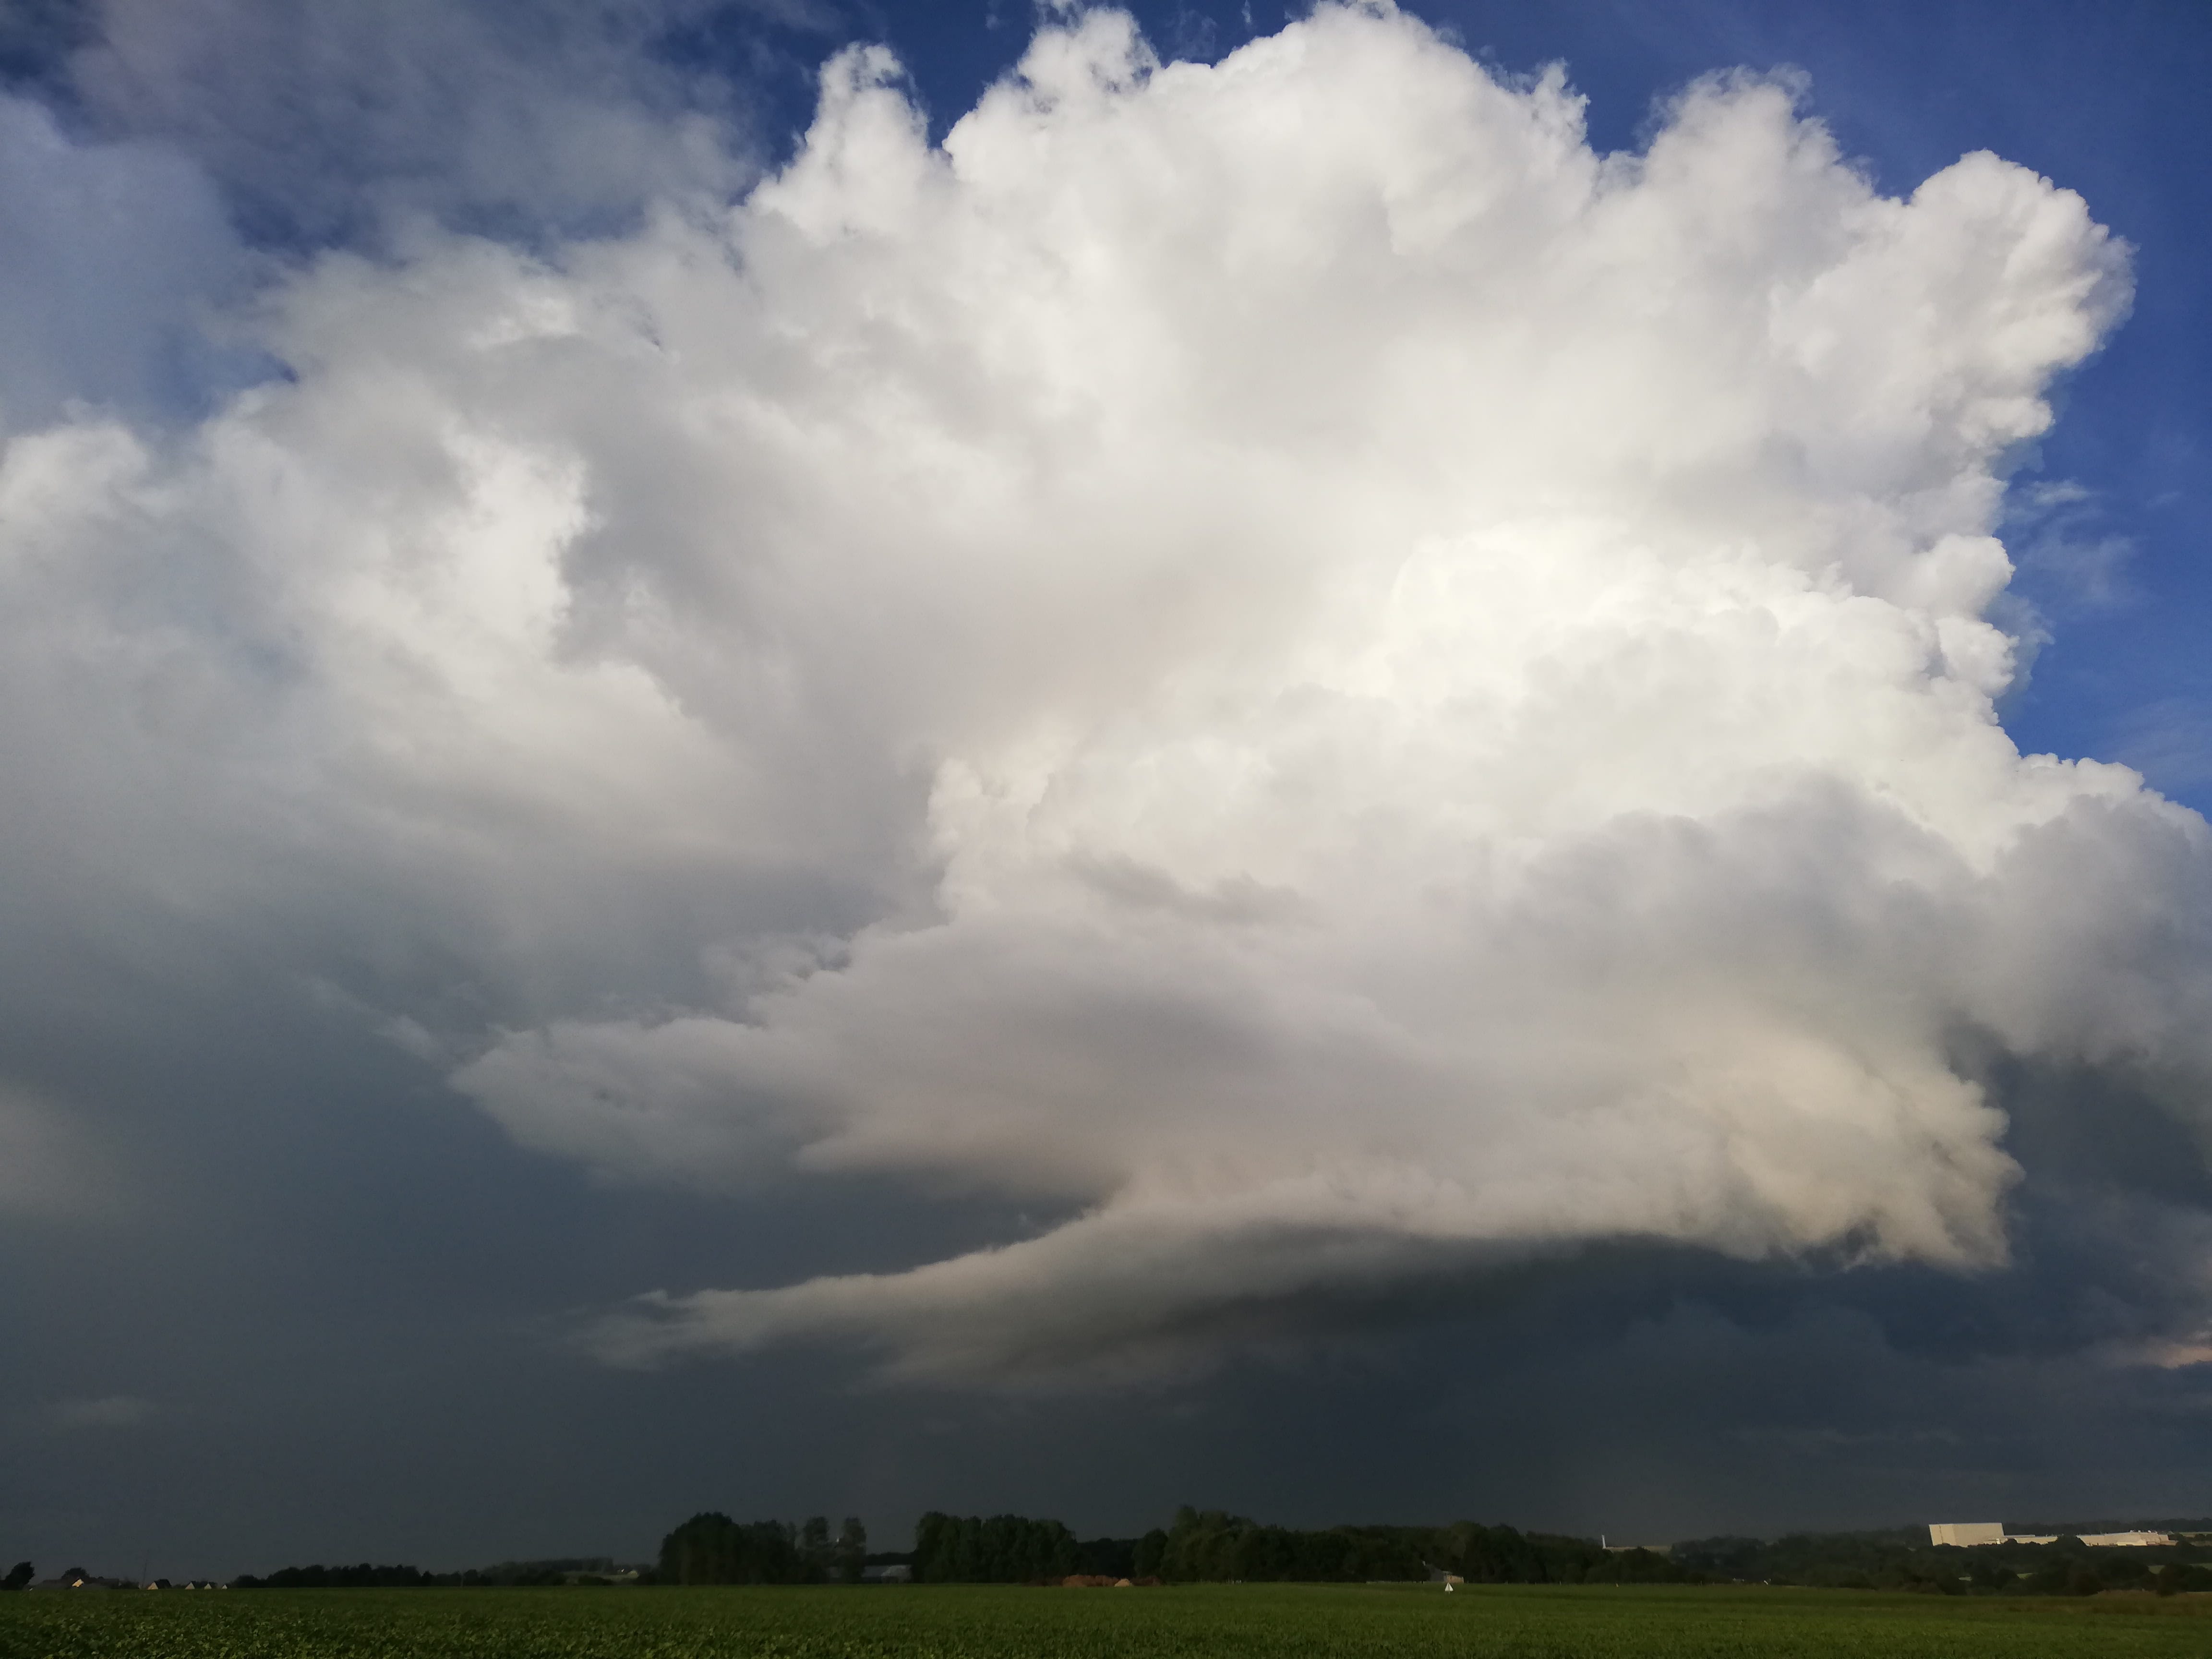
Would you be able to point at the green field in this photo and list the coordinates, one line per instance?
(991, 1622)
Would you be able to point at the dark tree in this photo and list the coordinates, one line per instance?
(712, 1549)
(1151, 1550)
(852, 1550)
(1006, 1549)
(814, 1545)
(18, 1576)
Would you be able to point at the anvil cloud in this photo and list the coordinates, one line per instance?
(1275, 661)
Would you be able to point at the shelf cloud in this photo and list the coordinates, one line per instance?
(1275, 662)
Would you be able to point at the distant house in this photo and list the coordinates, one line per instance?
(897, 1573)
(2126, 1539)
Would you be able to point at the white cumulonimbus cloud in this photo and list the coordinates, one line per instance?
(1274, 659)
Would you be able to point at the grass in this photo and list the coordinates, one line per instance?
(989, 1622)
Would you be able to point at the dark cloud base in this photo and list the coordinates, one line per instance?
(363, 1355)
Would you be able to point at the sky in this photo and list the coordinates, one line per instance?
(1366, 765)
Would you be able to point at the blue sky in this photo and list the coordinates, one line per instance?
(853, 849)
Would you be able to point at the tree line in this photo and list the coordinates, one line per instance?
(510, 1574)
(1904, 1560)
(1006, 1549)
(1212, 1546)
(712, 1549)
(1199, 1546)
(1209, 1545)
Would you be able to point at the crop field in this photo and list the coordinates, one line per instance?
(1185, 1622)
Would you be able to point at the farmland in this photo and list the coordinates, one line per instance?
(995, 1622)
